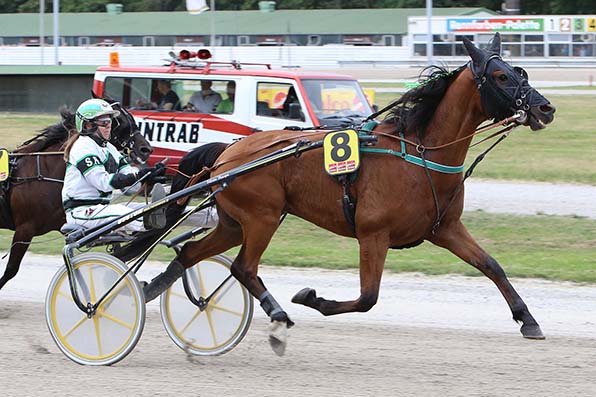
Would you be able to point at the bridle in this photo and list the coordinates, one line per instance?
(501, 102)
(126, 143)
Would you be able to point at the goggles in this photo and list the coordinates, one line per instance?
(103, 122)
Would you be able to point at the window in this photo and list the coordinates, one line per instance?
(558, 50)
(534, 50)
(583, 50)
(332, 100)
(197, 95)
(278, 100)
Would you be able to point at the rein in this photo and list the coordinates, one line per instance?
(421, 148)
(509, 123)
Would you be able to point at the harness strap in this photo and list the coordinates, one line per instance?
(349, 204)
(272, 143)
(191, 181)
(447, 169)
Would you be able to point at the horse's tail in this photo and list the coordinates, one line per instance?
(193, 162)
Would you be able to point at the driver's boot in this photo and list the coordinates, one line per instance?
(163, 281)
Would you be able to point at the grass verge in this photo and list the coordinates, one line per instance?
(549, 247)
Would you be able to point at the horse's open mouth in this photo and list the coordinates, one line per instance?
(540, 116)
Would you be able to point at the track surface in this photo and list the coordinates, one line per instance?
(426, 336)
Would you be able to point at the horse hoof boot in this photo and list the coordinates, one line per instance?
(532, 332)
(278, 336)
(305, 296)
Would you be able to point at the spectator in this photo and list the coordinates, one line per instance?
(169, 100)
(227, 105)
(204, 101)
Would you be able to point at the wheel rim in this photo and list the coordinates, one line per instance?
(114, 330)
(225, 320)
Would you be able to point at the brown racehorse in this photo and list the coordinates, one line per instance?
(397, 203)
(31, 205)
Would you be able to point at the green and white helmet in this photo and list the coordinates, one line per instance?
(91, 109)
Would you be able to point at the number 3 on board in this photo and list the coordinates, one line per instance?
(341, 152)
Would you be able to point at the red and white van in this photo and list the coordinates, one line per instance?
(263, 100)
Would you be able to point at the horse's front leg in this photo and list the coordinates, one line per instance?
(455, 237)
(373, 251)
(20, 244)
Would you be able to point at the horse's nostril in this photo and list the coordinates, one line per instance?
(548, 108)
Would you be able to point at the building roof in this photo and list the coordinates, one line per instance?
(279, 22)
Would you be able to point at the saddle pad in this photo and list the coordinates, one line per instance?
(341, 152)
(3, 165)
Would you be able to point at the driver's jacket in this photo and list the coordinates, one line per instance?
(89, 172)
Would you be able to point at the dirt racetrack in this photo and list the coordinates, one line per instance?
(323, 359)
(355, 355)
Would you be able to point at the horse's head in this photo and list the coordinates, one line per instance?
(504, 89)
(126, 135)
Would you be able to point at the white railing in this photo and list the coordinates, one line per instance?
(277, 56)
(309, 57)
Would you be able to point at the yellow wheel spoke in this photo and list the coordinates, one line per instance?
(223, 309)
(97, 335)
(74, 327)
(106, 302)
(65, 295)
(92, 285)
(192, 319)
(211, 327)
(114, 319)
(178, 295)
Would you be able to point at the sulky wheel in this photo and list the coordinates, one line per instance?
(221, 323)
(115, 328)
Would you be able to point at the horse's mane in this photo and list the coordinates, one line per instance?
(414, 110)
(52, 135)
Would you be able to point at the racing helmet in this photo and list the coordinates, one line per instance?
(91, 109)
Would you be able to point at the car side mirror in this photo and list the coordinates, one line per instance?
(294, 112)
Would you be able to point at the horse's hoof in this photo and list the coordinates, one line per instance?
(305, 296)
(278, 336)
(532, 332)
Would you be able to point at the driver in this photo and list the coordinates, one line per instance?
(94, 168)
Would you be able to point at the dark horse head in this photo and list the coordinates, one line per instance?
(504, 90)
(126, 135)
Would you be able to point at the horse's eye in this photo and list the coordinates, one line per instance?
(502, 77)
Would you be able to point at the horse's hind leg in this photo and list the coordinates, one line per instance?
(20, 244)
(373, 251)
(456, 239)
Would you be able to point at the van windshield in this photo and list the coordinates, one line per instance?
(334, 99)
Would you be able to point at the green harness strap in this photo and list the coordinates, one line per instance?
(447, 169)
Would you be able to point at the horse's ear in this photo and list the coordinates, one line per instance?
(476, 55)
(495, 44)
(94, 95)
